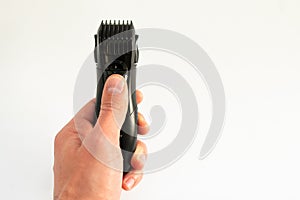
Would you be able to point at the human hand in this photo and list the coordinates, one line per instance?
(88, 161)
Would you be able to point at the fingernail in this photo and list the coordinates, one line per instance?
(142, 158)
(129, 183)
(115, 84)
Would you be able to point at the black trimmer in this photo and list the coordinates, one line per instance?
(116, 52)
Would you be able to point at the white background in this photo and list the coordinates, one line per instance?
(254, 44)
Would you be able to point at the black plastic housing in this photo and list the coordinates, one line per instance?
(116, 52)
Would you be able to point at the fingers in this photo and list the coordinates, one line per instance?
(139, 96)
(131, 179)
(143, 127)
(138, 160)
(139, 157)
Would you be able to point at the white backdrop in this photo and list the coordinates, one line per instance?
(254, 44)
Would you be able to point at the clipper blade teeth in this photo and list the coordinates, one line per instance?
(115, 38)
(110, 28)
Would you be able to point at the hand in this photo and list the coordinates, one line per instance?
(87, 159)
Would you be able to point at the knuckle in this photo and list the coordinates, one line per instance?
(111, 106)
(58, 140)
(142, 147)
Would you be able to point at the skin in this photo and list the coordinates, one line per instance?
(78, 171)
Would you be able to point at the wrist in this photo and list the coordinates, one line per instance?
(79, 189)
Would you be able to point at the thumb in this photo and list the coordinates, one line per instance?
(114, 105)
(103, 141)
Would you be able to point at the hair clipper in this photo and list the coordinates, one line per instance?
(116, 52)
